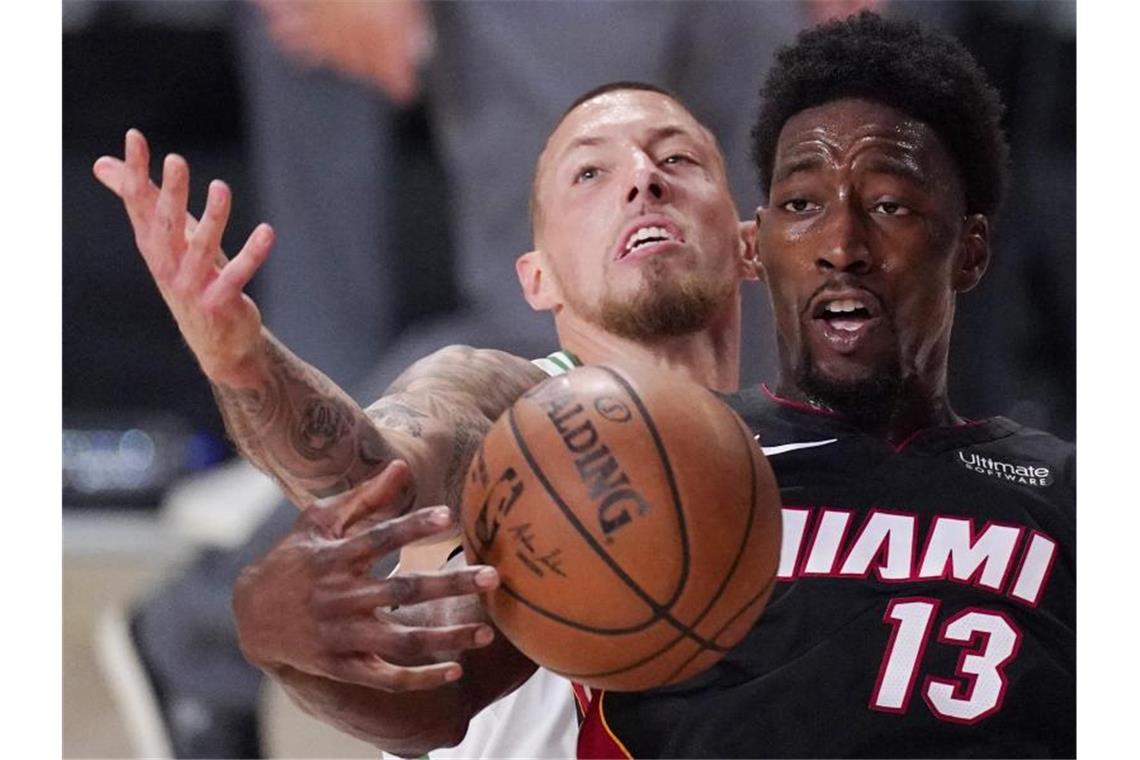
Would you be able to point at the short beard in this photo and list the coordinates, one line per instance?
(665, 307)
(867, 403)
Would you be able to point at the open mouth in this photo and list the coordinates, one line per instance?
(845, 314)
(647, 238)
(846, 319)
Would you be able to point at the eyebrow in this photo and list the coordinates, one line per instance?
(879, 164)
(805, 163)
(580, 142)
(895, 167)
(656, 135)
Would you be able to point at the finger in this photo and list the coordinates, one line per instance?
(172, 199)
(374, 673)
(111, 172)
(391, 535)
(136, 157)
(206, 240)
(379, 493)
(410, 588)
(403, 644)
(238, 272)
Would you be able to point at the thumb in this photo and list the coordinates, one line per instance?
(385, 495)
(109, 171)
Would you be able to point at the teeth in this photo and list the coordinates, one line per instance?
(843, 306)
(647, 233)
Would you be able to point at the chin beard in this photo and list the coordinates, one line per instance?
(663, 308)
(867, 403)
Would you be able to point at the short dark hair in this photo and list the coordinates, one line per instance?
(925, 74)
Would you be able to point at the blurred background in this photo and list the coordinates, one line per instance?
(390, 144)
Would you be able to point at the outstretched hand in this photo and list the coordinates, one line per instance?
(312, 604)
(203, 290)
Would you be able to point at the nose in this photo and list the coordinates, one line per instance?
(647, 184)
(846, 248)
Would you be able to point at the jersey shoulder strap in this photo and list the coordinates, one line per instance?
(557, 363)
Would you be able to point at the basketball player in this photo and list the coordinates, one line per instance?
(927, 602)
(638, 254)
(927, 597)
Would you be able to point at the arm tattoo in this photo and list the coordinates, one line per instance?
(301, 428)
(298, 426)
(322, 424)
(468, 437)
(397, 416)
(466, 390)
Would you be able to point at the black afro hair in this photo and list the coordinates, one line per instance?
(925, 74)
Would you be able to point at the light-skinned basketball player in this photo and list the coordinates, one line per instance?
(638, 254)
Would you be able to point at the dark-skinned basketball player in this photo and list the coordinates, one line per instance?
(927, 607)
(638, 254)
(927, 597)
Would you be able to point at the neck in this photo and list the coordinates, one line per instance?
(915, 406)
(710, 356)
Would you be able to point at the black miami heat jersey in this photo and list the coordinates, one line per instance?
(925, 605)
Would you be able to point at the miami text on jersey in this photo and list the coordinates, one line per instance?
(1000, 558)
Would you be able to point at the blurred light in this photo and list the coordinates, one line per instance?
(134, 460)
(203, 450)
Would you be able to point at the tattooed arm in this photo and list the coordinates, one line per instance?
(310, 614)
(442, 406)
(285, 416)
(294, 423)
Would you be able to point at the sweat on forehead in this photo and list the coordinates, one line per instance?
(921, 72)
(613, 92)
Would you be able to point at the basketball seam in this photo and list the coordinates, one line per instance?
(720, 590)
(662, 610)
(751, 522)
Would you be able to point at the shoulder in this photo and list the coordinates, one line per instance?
(1042, 447)
(458, 355)
(747, 402)
(1043, 455)
(775, 423)
(472, 371)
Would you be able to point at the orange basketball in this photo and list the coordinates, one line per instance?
(633, 520)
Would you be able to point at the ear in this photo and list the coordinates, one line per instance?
(754, 245)
(748, 263)
(539, 288)
(973, 253)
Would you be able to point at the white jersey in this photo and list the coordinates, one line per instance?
(538, 719)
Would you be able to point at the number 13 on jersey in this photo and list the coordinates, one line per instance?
(989, 640)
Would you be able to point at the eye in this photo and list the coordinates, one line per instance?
(890, 208)
(799, 205)
(678, 158)
(586, 173)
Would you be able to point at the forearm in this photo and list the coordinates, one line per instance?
(408, 724)
(412, 723)
(293, 422)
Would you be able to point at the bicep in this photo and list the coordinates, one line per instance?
(442, 407)
(491, 380)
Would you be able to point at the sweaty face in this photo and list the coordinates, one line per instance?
(634, 217)
(861, 242)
